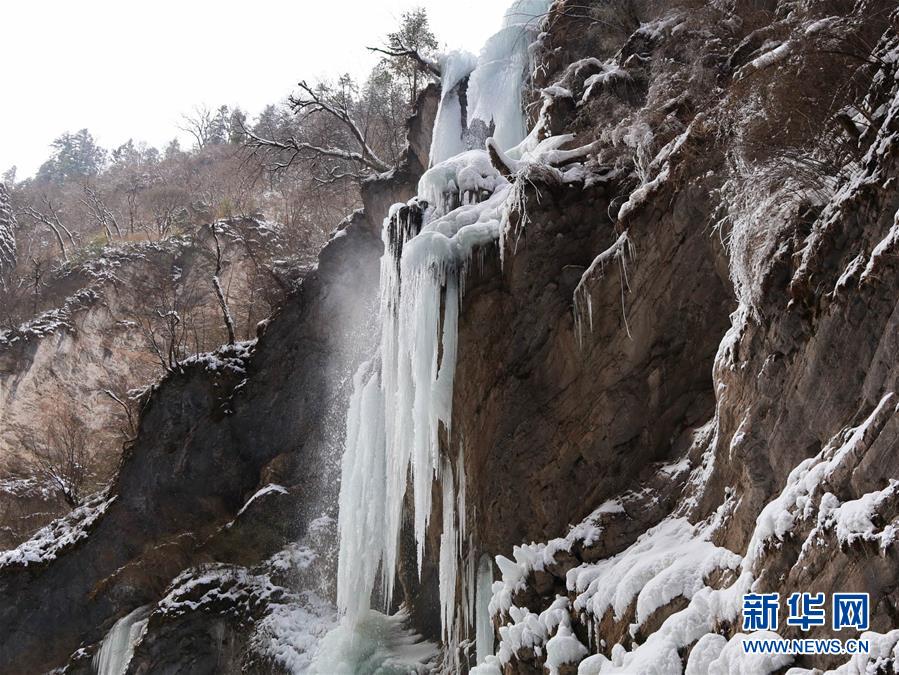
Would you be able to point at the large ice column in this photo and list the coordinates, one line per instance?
(494, 88)
(117, 648)
(481, 96)
(484, 638)
(451, 124)
(361, 517)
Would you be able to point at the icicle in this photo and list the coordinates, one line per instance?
(582, 300)
(483, 622)
(449, 127)
(449, 559)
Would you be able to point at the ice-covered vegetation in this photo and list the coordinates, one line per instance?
(7, 235)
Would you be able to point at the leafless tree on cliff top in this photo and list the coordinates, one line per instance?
(217, 285)
(49, 215)
(310, 103)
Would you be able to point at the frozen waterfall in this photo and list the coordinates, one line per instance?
(118, 646)
(399, 423)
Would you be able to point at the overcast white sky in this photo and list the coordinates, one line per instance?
(130, 69)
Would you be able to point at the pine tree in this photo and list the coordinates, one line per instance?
(74, 156)
(414, 34)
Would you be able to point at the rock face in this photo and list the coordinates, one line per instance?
(729, 420)
(203, 445)
(60, 366)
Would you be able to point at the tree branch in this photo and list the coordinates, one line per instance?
(423, 63)
(296, 148)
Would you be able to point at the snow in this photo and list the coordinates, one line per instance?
(776, 55)
(29, 487)
(675, 558)
(227, 359)
(563, 648)
(795, 502)
(670, 560)
(295, 557)
(286, 627)
(490, 666)
(886, 247)
(48, 542)
(290, 633)
(537, 557)
(52, 321)
(853, 519)
(734, 660)
(610, 72)
(460, 179)
(268, 489)
(374, 643)
(820, 24)
(707, 650)
(883, 656)
(526, 631)
(7, 235)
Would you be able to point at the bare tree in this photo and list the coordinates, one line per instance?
(166, 203)
(62, 457)
(130, 414)
(99, 211)
(166, 317)
(8, 227)
(311, 103)
(199, 124)
(217, 285)
(50, 216)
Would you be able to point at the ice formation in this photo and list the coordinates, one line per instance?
(117, 647)
(582, 303)
(494, 91)
(399, 423)
(484, 640)
(375, 643)
(481, 97)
